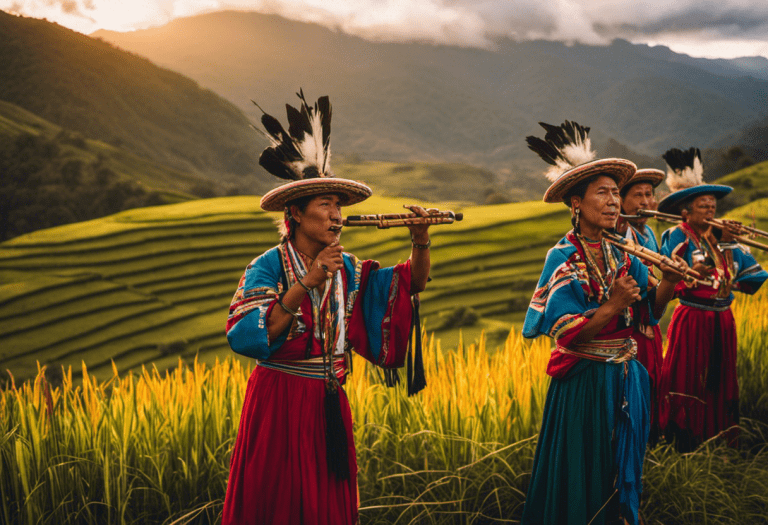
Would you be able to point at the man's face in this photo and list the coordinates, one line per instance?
(600, 205)
(702, 208)
(320, 221)
(639, 197)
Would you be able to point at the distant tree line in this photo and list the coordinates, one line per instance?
(43, 185)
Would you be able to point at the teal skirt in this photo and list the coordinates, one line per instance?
(589, 456)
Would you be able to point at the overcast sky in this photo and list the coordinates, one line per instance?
(723, 28)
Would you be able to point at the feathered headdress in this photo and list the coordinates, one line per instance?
(303, 155)
(568, 149)
(684, 168)
(564, 147)
(304, 152)
(685, 177)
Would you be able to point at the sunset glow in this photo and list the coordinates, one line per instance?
(727, 29)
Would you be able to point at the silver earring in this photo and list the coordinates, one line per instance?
(576, 222)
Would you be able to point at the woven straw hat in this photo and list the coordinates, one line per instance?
(350, 191)
(568, 149)
(649, 175)
(619, 170)
(302, 155)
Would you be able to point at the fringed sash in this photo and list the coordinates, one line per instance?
(313, 368)
(604, 350)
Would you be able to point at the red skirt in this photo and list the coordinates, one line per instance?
(278, 471)
(699, 391)
(650, 355)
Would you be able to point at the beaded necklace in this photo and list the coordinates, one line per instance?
(603, 279)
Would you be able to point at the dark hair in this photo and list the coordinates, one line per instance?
(580, 190)
(286, 232)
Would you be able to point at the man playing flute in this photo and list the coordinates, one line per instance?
(699, 391)
(639, 194)
(300, 309)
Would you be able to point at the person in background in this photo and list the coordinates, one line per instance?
(639, 194)
(699, 390)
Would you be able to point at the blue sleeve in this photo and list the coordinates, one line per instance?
(674, 240)
(375, 305)
(652, 242)
(749, 275)
(379, 310)
(559, 303)
(259, 288)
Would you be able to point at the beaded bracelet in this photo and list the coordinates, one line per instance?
(307, 288)
(422, 246)
(292, 312)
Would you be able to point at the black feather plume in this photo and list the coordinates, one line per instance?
(303, 151)
(564, 146)
(685, 168)
(678, 159)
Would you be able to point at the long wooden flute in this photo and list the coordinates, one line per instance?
(717, 223)
(657, 259)
(388, 220)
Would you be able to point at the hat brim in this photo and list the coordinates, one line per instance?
(649, 175)
(351, 192)
(671, 202)
(619, 170)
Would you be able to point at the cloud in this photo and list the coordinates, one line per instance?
(474, 23)
(479, 23)
(456, 22)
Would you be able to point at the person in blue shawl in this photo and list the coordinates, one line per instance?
(589, 457)
(699, 389)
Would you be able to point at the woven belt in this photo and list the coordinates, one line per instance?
(604, 350)
(309, 368)
(714, 305)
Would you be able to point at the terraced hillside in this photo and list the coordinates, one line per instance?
(749, 184)
(148, 284)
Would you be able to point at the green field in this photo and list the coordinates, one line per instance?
(150, 284)
(154, 448)
(433, 182)
(749, 184)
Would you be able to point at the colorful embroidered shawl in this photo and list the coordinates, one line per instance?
(567, 296)
(375, 303)
(734, 267)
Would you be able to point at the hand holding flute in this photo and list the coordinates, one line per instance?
(665, 264)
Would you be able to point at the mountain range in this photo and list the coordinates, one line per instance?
(180, 95)
(419, 101)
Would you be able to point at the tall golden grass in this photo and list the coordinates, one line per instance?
(154, 448)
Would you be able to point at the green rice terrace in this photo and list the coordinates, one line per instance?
(150, 284)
